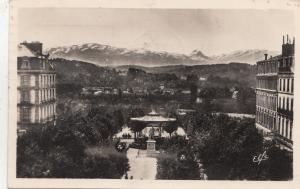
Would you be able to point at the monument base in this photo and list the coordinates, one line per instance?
(151, 148)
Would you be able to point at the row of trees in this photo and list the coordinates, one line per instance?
(79, 146)
(226, 148)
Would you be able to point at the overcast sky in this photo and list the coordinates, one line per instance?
(181, 31)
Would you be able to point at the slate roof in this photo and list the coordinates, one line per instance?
(30, 57)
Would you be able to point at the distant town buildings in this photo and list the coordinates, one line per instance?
(122, 73)
(235, 94)
(275, 94)
(36, 103)
(183, 77)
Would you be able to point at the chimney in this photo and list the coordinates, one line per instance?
(283, 40)
(266, 56)
(293, 40)
(287, 39)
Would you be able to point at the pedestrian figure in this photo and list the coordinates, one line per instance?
(126, 176)
(131, 177)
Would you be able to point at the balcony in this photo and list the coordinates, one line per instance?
(285, 69)
(284, 141)
(25, 103)
(286, 112)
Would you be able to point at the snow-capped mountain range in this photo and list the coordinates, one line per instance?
(105, 55)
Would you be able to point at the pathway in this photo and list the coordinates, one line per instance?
(141, 167)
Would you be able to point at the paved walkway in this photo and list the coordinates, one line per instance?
(141, 167)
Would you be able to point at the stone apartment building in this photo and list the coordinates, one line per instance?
(275, 95)
(36, 103)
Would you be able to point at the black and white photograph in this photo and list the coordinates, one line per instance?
(154, 94)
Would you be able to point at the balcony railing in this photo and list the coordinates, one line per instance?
(285, 112)
(25, 103)
(282, 139)
(284, 69)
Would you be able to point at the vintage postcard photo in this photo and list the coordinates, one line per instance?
(139, 95)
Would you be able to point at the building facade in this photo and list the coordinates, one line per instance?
(275, 95)
(36, 92)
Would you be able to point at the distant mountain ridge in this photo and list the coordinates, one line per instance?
(250, 56)
(106, 55)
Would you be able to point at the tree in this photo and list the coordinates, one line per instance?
(134, 72)
(192, 78)
(194, 92)
(176, 161)
(60, 152)
(227, 147)
(172, 168)
(137, 126)
(170, 127)
(110, 164)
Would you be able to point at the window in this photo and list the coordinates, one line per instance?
(282, 127)
(291, 129)
(288, 85)
(41, 81)
(283, 80)
(25, 80)
(279, 124)
(25, 114)
(45, 113)
(279, 64)
(287, 103)
(272, 67)
(25, 96)
(292, 86)
(44, 95)
(260, 117)
(286, 127)
(25, 64)
(44, 65)
(48, 80)
(279, 84)
(292, 104)
(283, 103)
